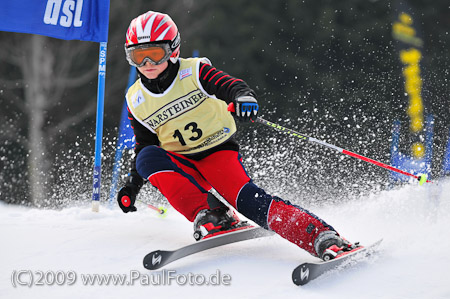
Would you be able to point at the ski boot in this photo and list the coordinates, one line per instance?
(209, 223)
(329, 246)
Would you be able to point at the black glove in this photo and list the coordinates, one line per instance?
(126, 199)
(246, 108)
(127, 194)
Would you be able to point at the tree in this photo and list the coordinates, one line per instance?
(49, 99)
(44, 70)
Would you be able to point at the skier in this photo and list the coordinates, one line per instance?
(185, 145)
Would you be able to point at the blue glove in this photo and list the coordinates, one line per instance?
(246, 108)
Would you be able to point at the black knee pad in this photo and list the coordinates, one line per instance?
(152, 159)
(253, 202)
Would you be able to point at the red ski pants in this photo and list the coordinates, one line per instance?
(186, 182)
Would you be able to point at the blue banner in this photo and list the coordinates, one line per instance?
(64, 19)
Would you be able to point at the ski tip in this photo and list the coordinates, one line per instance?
(153, 260)
(369, 248)
(375, 244)
(306, 272)
(300, 276)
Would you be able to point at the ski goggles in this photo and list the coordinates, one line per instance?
(155, 53)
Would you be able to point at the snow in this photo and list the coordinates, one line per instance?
(413, 261)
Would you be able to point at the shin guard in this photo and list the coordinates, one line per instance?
(292, 222)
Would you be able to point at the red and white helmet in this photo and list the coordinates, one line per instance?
(152, 27)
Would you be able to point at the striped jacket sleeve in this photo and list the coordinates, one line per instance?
(222, 85)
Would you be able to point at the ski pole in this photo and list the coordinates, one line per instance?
(160, 210)
(422, 178)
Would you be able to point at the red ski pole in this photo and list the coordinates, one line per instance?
(160, 210)
(422, 178)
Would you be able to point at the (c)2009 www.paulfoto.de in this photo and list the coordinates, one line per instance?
(32, 278)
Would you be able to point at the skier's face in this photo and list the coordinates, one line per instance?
(152, 71)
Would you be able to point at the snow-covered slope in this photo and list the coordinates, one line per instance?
(414, 261)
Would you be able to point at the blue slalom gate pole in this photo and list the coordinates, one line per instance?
(124, 140)
(99, 127)
(394, 148)
(406, 162)
(429, 133)
(446, 166)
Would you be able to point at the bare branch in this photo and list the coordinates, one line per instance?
(18, 104)
(11, 130)
(78, 81)
(12, 84)
(12, 54)
(87, 111)
(64, 60)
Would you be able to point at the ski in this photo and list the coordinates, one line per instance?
(159, 258)
(306, 272)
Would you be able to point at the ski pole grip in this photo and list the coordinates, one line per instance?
(231, 107)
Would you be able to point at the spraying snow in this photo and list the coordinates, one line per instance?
(77, 244)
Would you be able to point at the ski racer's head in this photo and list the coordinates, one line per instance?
(152, 37)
